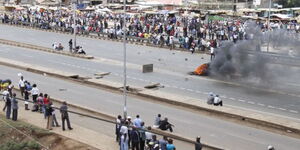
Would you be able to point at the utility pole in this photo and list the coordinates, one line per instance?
(269, 18)
(74, 19)
(124, 63)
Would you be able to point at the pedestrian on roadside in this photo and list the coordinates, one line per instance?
(124, 136)
(22, 85)
(210, 99)
(70, 45)
(148, 135)
(137, 121)
(157, 121)
(142, 136)
(34, 92)
(8, 106)
(118, 127)
(45, 103)
(49, 116)
(54, 120)
(165, 125)
(163, 143)
(65, 116)
(14, 107)
(170, 145)
(26, 98)
(10, 88)
(40, 102)
(218, 101)
(135, 139)
(212, 53)
(5, 95)
(130, 124)
(198, 144)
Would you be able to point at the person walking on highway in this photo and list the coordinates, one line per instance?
(198, 144)
(14, 107)
(70, 45)
(65, 116)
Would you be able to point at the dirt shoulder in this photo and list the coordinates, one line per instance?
(18, 135)
(79, 138)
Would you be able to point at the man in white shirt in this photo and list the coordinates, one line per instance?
(218, 101)
(212, 53)
(22, 85)
(124, 137)
(34, 93)
(5, 95)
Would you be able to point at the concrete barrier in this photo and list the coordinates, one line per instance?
(40, 48)
(258, 119)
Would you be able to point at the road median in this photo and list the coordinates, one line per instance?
(277, 123)
(45, 49)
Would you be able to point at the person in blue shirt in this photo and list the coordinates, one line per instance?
(170, 145)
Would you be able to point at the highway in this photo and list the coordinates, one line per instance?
(170, 69)
(225, 134)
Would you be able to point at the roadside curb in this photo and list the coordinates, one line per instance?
(40, 48)
(263, 120)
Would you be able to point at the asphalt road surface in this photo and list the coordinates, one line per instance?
(170, 69)
(225, 134)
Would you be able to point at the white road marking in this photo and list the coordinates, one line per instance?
(293, 111)
(260, 104)
(271, 106)
(241, 100)
(250, 102)
(182, 88)
(232, 98)
(190, 90)
(282, 109)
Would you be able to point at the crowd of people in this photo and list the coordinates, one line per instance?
(135, 135)
(41, 103)
(191, 33)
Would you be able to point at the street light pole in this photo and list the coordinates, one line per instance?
(124, 63)
(269, 18)
(74, 19)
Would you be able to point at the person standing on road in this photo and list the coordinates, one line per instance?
(142, 136)
(45, 103)
(14, 107)
(70, 45)
(65, 116)
(22, 85)
(198, 145)
(212, 53)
